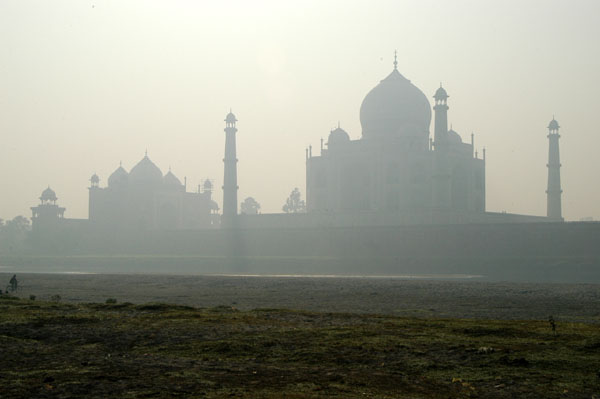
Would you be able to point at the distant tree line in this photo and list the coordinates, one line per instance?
(13, 233)
(293, 204)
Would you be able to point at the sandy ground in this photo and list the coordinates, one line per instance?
(402, 297)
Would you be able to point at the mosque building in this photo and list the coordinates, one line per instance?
(144, 199)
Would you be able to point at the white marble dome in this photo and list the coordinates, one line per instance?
(337, 136)
(395, 108)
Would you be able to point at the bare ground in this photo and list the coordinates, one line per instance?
(61, 350)
(392, 296)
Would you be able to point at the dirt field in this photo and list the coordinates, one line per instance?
(66, 350)
(399, 297)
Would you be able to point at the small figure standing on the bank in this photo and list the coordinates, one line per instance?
(552, 324)
(14, 284)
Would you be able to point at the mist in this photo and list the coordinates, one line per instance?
(299, 199)
(87, 85)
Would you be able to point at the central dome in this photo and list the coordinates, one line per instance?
(146, 172)
(395, 108)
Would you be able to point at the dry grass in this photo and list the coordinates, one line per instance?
(159, 350)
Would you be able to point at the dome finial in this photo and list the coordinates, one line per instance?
(395, 60)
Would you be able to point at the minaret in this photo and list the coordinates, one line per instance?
(230, 186)
(93, 192)
(441, 118)
(553, 193)
(441, 175)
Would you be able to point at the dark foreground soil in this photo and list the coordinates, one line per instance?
(64, 350)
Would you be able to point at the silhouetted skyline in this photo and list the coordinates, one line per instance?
(84, 88)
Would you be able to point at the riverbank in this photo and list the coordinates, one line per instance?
(424, 297)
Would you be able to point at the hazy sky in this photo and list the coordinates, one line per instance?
(86, 84)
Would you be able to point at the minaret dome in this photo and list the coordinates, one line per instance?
(230, 119)
(441, 94)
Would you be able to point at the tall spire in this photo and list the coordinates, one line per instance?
(554, 191)
(395, 60)
(230, 186)
(441, 174)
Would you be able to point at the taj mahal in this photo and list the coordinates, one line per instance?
(397, 173)
(396, 166)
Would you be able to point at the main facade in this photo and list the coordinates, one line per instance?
(395, 166)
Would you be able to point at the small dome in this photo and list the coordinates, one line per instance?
(213, 205)
(95, 179)
(395, 108)
(454, 137)
(207, 185)
(440, 94)
(337, 136)
(146, 172)
(230, 118)
(171, 180)
(553, 125)
(118, 178)
(48, 195)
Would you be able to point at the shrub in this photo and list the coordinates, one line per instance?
(32, 297)
(111, 301)
(55, 298)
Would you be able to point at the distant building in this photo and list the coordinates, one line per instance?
(142, 199)
(395, 167)
(47, 215)
(145, 199)
(394, 175)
